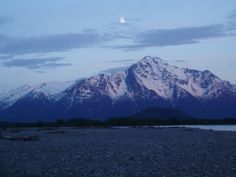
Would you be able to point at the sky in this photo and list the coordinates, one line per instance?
(44, 41)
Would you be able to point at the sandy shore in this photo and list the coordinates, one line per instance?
(141, 152)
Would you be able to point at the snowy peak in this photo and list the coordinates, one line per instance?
(154, 74)
(50, 90)
(102, 84)
(9, 98)
(157, 75)
(157, 67)
(151, 60)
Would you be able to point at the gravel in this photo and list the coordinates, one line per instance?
(131, 152)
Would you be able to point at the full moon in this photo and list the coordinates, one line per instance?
(122, 20)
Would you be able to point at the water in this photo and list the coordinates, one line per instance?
(213, 127)
(206, 127)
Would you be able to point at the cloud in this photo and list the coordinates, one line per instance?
(175, 36)
(126, 30)
(129, 22)
(41, 72)
(4, 20)
(134, 19)
(3, 39)
(132, 35)
(114, 70)
(49, 43)
(180, 61)
(232, 15)
(5, 57)
(35, 63)
(122, 61)
(231, 24)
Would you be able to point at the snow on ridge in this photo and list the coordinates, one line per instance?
(157, 75)
(112, 85)
(13, 95)
(117, 86)
(49, 89)
(52, 88)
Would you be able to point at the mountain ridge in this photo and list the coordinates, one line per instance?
(151, 82)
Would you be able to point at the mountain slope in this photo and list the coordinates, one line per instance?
(34, 103)
(160, 113)
(151, 82)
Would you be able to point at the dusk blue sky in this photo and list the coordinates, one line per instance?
(43, 41)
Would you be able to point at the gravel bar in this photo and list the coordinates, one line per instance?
(113, 152)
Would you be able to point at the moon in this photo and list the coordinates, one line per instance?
(122, 20)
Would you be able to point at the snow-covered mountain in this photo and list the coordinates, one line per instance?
(51, 90)
(151, 82)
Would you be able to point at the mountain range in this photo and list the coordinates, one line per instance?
(151, 82)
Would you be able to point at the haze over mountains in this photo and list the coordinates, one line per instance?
(151, 82)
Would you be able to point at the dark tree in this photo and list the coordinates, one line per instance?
(60, 122)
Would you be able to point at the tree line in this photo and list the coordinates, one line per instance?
(121, 121)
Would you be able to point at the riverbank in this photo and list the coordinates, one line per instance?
(66, 152)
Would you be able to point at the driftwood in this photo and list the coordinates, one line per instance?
(27, 138)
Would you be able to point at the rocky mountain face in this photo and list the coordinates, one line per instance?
(151, 82)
